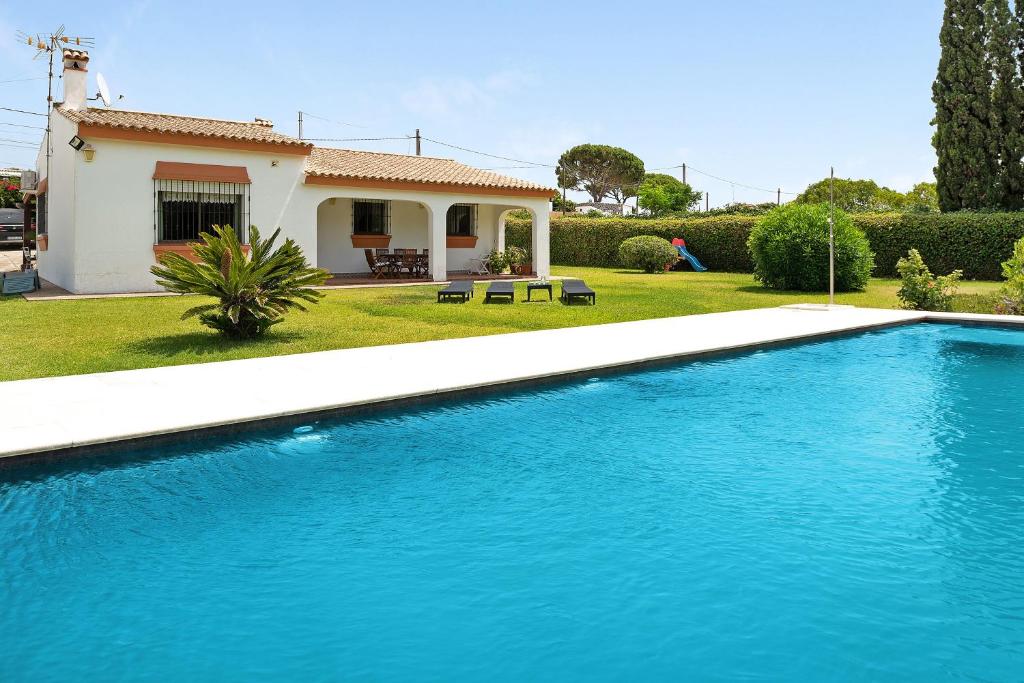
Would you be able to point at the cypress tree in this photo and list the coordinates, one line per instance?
(962, 94)
(1006, 137)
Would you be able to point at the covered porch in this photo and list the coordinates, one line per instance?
(371, 239)
(397, 217)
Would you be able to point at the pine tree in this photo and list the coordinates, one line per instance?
(1006, 137)
(962, 96)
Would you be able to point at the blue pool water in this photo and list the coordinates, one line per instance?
(847, 509)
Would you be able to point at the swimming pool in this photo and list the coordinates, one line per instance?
(851, 508)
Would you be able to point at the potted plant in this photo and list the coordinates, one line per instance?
(497, 261)
(518, 260)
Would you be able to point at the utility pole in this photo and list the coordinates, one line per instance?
(417, 142)
(778, 197)
(831, 239)
(684, 174)
(300, 125)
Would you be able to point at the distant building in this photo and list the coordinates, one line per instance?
(606, 208)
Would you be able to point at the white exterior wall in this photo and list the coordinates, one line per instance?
(57, 263)
(101, 220)
(115, 207)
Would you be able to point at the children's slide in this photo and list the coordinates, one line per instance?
(680, 246)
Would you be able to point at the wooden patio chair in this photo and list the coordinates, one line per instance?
(410, 262)
(377, 268)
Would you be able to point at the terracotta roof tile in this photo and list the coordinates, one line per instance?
(250, 131)
(346, 163)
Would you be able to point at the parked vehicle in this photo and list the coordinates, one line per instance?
(11, 224)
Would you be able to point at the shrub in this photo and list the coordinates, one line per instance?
(253, 293)
(922, 291)
(789, 246)
(1011, 298)
(647, 253)
(497, 261)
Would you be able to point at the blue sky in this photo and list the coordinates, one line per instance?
(765, 94)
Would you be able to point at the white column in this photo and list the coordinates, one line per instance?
(500, 241)
(541, 240)
(438, 239)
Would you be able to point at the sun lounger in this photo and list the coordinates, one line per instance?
(577, 289)
(462, 289)
(501, 289)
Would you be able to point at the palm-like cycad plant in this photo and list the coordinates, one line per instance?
(253, 293)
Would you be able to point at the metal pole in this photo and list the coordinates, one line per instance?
(778, 197)
(417, 142)
(684, 174)
(563, 202)
(831, 239)
(300, 125)
(49, 150)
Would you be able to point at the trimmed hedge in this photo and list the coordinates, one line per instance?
(975, 243)
(720, 243)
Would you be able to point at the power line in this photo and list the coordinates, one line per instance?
(403, 137)
(22, 111)
(21, 80)
(27, 142)
(340, 123)
(485, 154)
(21, 125)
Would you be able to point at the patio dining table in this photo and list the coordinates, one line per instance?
(396, 262)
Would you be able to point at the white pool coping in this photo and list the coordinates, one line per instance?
(59, 413)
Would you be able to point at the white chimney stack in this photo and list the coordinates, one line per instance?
(76, 64)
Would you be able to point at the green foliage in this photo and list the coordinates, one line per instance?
(10, 192)
(922, 291)
(1011, 296)
(962, 92)
(790, 250)
(973, 242)
(559, 204)
(922, 198)
(599, 170)
(853, 196)
(1006, 125)
(647, 253)
(720, 242)
(662, 194)
(740, 209)
(253, 293)
(497, 261)
(516, 255)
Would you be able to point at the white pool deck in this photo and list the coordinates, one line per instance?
(53, 414)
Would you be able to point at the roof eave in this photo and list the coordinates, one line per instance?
(419, 186)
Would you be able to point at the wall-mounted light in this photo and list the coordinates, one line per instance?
(77, 142)
(273, 162)
(89, 151)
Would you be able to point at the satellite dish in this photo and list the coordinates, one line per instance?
(104, 92)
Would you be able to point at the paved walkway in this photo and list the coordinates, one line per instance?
(10, 260)
(64, 412)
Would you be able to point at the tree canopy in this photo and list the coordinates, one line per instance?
(660, 194)
(600, 171)
(854, 196)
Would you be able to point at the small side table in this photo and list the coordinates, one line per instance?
(530, 286)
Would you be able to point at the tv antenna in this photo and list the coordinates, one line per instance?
(48, 44)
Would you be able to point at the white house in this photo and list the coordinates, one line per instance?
(122, 187)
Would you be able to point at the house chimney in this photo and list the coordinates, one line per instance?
(76, 64)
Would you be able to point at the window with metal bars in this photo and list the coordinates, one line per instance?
(185, 208)
(462, 219)
(371, 217)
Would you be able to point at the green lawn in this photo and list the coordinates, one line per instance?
(47, 338)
